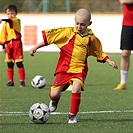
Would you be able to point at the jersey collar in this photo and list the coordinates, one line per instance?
(89, 32)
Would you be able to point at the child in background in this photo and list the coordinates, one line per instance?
(10, 39)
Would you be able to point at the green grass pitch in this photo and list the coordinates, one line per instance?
(102, 109)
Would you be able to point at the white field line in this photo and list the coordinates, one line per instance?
(60, 113)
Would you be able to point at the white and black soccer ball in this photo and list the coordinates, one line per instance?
(38, 82)
(39, 113)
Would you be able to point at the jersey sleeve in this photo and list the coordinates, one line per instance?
(57, 36)
(95, 50)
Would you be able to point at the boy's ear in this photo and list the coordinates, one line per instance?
(90, 23)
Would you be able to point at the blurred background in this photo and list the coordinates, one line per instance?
(63, 6)
(37, 15)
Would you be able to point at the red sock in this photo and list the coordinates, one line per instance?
(10, 74)
(21, 73)
(74, 103)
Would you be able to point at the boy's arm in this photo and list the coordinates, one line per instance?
(7, 20)
(126, 1)
(96, 51)
(34, 49)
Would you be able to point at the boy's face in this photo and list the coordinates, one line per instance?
(81, 24)
(11, 13)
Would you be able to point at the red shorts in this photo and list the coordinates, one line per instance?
(14, 51)
(67, 79)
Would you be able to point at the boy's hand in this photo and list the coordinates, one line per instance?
(4, 50)
(32, 51)
(111, 63)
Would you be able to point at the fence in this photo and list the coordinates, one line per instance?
(63, 6)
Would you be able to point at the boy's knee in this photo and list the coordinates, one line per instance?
(54, 94)
(10, 64)
(19, 64)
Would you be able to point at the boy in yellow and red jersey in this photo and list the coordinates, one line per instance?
(75, 44)
(10, 39)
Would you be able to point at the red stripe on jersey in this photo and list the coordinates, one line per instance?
(44, 38)
(18, 35)
(65, 56)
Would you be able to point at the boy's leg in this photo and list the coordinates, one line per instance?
(54, 95)
(21, 73)
(74, 107)
(74, 102)
(10, 74)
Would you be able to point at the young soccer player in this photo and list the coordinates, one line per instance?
(75, 44)
(10, 39)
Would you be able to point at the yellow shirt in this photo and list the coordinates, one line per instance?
(74, 48)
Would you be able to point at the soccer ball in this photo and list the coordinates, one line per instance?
(39, 113)
(38, 82)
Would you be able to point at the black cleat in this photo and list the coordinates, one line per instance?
(22, 84)
(9, 84)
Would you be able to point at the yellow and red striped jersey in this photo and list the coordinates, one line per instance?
(10, 30)
(74, 48)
